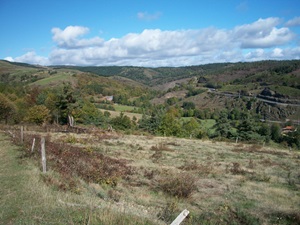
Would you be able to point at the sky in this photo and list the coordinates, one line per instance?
(151, 33)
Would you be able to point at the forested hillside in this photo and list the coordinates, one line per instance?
(245, 101)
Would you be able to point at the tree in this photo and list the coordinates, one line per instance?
(65, 103)
(191, 128)
(275, 132)
(7, 109)
(169, 125)
(151, 123)
(87, 113)
(248, 130)
(188, 105)
(38, 114)
(121, 122)
(265, 131)
(223, 127)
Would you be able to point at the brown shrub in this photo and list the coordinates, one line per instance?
(72, 161)
(201, 169)
(161, 147)
(180, 185)
(236, 169)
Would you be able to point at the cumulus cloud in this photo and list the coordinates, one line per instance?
(262, 34)
(293, 22)
(147, 16)
(68, 38)
(9, 58)
(32, 58)
(262, 39)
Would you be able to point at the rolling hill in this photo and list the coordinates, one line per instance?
(274, 84)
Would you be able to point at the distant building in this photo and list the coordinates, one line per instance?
(109, 98)
(288, 129)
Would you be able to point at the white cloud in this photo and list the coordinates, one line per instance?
(147, 16)
(68, 38)
(32, 58)
(277, 52)
(262, 39)
(9, 58)
(293, 22)
(262, 34)
(255, 55)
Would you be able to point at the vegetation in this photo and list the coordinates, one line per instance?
(237, 123)
(96, 176)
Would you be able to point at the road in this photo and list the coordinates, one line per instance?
(250, 97)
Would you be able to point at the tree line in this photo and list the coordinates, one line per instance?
(54, 105)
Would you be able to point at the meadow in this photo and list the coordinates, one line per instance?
(101, 177)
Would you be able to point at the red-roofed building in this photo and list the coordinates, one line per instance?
(288, 129)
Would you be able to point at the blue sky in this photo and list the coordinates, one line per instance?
(148, 33)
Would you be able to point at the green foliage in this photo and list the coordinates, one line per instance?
(265, 131)
(122, 122)
(65, 103)
(191, 128)
(172, 101)
(151, 123)
(188, 105)
(7, 109)
(193, 92)
(247, 130)
(87, 113)
(170, 125)
(275, 132)
(223, 126)
(38, 114)
(293, 138)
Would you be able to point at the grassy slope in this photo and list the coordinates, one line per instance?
(262, 189)
(264, 186)
(57, 79)
(25, 199)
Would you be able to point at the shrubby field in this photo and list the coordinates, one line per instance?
(150, 180)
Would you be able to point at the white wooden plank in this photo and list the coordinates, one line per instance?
(180, 217)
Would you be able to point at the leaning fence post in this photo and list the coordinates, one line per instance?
(180, 217)
(43, 154)
(33, 144)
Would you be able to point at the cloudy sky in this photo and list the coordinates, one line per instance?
(148, 32)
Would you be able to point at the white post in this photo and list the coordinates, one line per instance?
(33, 144)
(237, 139)
(22, 134)
(180, 217)
(43, 154)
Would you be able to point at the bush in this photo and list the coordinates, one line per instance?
(180, 185)
(38, 114)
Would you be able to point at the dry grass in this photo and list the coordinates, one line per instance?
(219, 183)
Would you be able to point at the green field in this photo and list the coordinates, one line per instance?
(54, 79)
(117, 113)
(284, 90)
(124, 108)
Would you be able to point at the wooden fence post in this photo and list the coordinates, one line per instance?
(22, 134)
(180, 217)
(43, 154)
(33, 144)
